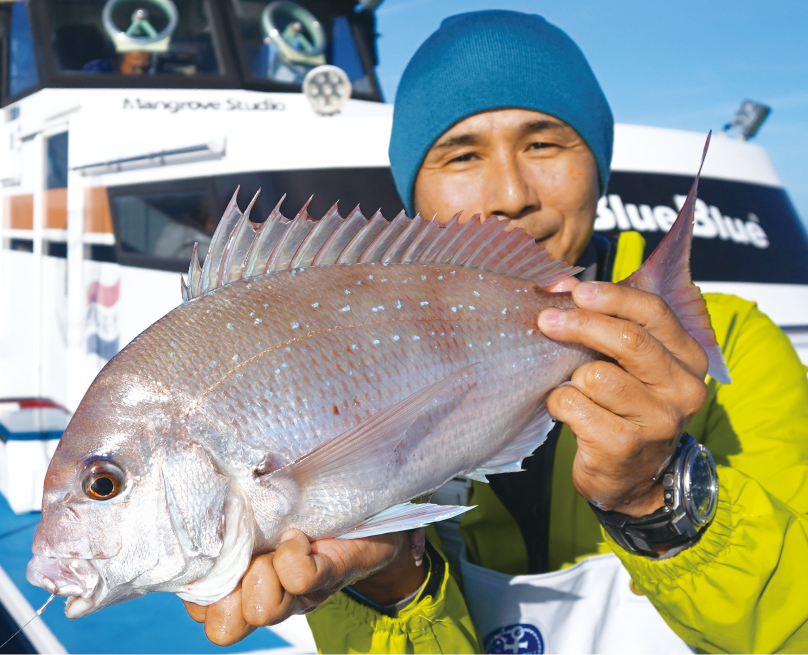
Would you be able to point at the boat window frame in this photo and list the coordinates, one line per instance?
(51, 77)
(253, 83)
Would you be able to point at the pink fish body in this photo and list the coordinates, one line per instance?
(319, 376)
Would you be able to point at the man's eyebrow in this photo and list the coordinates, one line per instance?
(540, 125)
(468, 139)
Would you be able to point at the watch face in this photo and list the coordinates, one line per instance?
(701, 485)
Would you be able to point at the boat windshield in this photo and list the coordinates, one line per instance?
(133, 37)
(282, 41)
(266, 45)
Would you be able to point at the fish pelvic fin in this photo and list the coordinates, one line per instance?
(241, 249)
(406, 516)
(667, 273)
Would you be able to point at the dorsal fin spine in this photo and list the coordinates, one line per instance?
(403, 240)
(217, 244)
(239, 245)
(446, 252)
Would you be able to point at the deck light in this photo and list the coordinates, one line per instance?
(748, 119)
(327, 88)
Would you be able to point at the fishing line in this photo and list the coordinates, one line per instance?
(38, 612)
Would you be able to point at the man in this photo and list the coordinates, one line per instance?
(498, 113)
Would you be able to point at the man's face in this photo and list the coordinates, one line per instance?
(522, 166)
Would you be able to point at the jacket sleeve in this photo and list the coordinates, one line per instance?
(435, 622)
(741, 588)
(738, 589)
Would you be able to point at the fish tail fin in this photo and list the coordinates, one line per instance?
(667, 273)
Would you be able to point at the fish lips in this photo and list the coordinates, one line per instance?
(79, 579)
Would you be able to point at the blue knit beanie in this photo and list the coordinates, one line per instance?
(486, 60)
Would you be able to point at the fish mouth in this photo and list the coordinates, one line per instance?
(78, 579)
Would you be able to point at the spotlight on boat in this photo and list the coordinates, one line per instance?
(327, 88)
(748, 119)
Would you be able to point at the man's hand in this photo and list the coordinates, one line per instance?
(627, 414)
(300, 575)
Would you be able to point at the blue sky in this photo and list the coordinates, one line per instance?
(684, 65)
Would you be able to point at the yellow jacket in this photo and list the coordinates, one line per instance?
(741, 588)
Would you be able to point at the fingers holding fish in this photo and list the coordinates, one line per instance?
(196, 612)
(647, 310)
(381, 568)
(264, 601)
(633, 347)
(224, 620)
(615, 467)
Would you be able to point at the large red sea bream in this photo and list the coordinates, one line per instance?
(319, 375)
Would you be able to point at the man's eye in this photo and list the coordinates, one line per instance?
(463, 158)
(541, 145)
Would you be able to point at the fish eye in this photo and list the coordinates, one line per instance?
(102, 480)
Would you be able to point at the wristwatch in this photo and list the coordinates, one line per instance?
(690, 486)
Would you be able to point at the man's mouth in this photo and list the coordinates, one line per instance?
(79, 579)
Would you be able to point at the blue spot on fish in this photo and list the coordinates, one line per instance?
(476, 293)
(347, 308)
(295, 326)
(423, 303)
(472, 307)
(266, 305)
(440, 277)
(277, 370)
(315, 305)
(415, 337)
(284, 366)
(395, 337)
(347, 292)
(502, 334)
(370, 277)
(376, 342)
(230, 326)
(504, 311)
(353, 346)
(454, 309)
(398, 304)
(487, 343)
(258, 321)
(423, 277)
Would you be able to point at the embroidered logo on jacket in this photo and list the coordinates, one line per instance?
(515, 638)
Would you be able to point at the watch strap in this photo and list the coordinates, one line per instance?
(645, 534)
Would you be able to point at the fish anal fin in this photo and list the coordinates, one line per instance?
(406, 516)
(667, 273)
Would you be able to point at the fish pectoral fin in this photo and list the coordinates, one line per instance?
(361, 454)
(406, 516)
(509, 460)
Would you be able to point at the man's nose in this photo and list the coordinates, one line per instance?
(509, 192)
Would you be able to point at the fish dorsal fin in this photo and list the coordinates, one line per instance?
(241, 249)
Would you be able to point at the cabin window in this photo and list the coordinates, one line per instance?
(22, 73)
(159, 228)
(133, 37)
(57, 161)
(282, 41)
